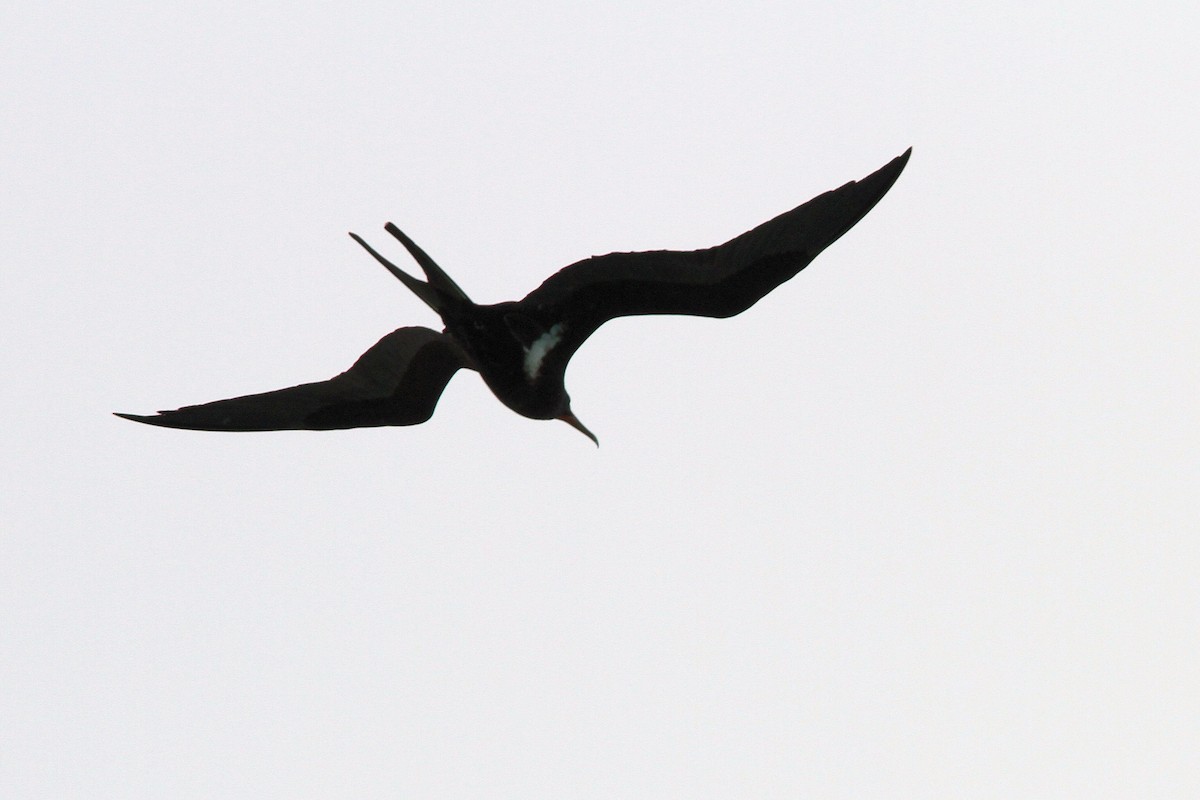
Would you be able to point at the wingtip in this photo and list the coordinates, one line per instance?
(163, 419)
(886, 175)
(134, 417)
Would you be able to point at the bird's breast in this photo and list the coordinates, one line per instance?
(513, 353)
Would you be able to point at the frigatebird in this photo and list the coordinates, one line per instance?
(521, 348)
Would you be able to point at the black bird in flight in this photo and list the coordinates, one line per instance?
(521, 348)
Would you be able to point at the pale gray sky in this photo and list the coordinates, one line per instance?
(922, 523)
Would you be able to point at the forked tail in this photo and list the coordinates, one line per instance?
(439, 292)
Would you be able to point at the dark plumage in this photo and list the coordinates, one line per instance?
(521, 349)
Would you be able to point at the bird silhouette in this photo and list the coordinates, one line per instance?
(521, 349)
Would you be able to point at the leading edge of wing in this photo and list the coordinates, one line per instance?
(398, 381)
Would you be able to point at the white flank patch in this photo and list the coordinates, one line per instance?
(535, 354)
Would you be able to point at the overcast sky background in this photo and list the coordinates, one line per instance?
(922, 523)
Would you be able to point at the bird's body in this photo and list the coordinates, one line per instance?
(522, 348)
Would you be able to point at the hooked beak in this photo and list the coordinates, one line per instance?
(574, 422)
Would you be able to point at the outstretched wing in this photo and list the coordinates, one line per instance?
(396, 382)
(718, 282)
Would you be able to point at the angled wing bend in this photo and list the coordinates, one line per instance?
(717, 282)
(397, 382)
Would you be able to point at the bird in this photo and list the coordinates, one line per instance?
(521, 348)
